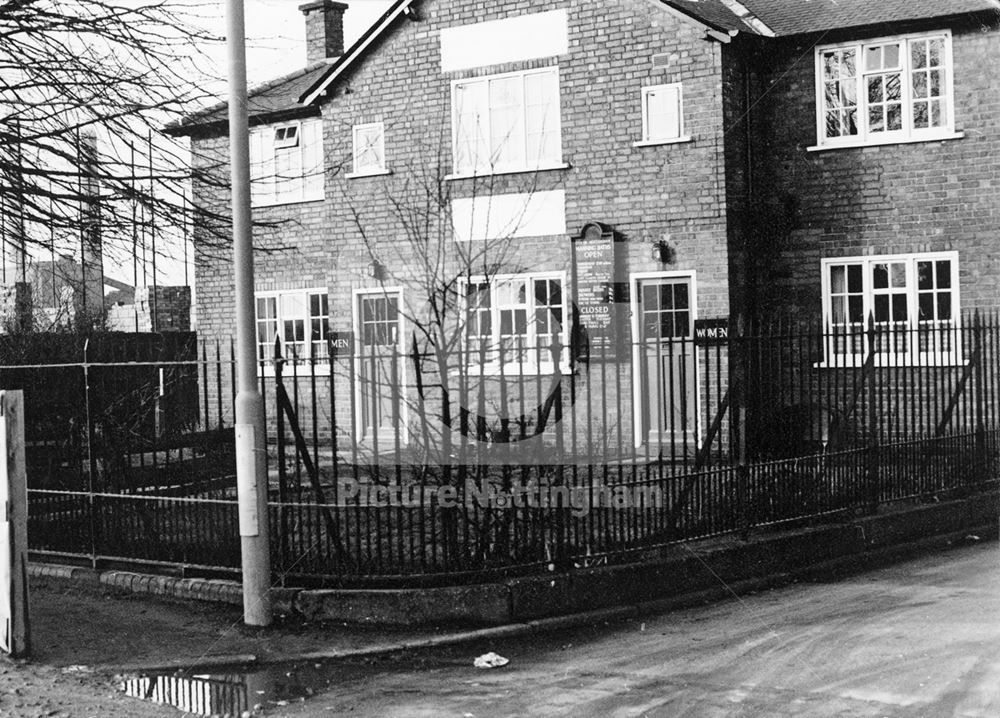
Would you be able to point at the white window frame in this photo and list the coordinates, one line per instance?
(648, 140)
(486, 166)
(359, 170)
(908, 133)
(267, 360)
(947, 344)
(513, 367)
(303, 151)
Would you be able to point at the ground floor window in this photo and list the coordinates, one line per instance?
(519, 321)
(300, 318)
(912, 300)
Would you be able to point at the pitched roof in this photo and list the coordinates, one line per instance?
(717, 14)
(296, 94)
(792, 17)
(274, 98)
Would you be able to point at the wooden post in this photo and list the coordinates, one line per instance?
(14, 627)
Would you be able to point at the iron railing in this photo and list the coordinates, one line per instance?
(393, 464)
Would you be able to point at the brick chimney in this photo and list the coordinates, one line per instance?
(324, 29)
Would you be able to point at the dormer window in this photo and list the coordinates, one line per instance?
(286, 137)
(286, 163)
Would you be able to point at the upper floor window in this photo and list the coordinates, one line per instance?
(506, 123)
(662, 118)
(299, 318)
(911, 300)
(286, 163)
(888, 90)
(369, 149)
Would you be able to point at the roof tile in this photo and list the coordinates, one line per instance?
(791, 17)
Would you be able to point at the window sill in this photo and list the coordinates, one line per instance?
(517, 170)
(857, 361)
(282, 203)
(265, 370)
(514, 371)
(880, 143)
(367, 173)
(655, 143)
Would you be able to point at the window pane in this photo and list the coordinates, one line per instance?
(293, 305)
(839, 314)
(918, 53)
(880, 275)
(876, 122)
(925, 276)
(875, 89)
(943, 271)
(666, 296)
(893, 89)
(506, 120)
(937, 114)
(944, 306)
(470, 131)
(898, 273)
(935, 83)
(541, 98)
(899, 311)
(681, 298)
(847, 64)
(894, 118)
(681, 324)
(838, 284)
(854, 279)
(890, 56)
(881, 307)
(649, 297)
(856, 309)
(831, 65)
(926, 306)
(936, 52)
(873, 58)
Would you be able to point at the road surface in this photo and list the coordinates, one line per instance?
(921, 638)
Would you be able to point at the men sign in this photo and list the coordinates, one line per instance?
(13, 527)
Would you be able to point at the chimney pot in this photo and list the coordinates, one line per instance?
(324, 29)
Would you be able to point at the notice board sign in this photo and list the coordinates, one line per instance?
(594, 257)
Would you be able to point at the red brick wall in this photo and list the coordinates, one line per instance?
(920, 197)
(644, 193)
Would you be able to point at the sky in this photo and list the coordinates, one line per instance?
(275, 39)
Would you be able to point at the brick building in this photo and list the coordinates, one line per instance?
(519, 180)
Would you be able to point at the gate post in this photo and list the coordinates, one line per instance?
(872, 468)
(982, 459)
(14, 625)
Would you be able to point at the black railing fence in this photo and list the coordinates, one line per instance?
(391, 463)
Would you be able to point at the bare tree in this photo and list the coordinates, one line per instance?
(73, 71)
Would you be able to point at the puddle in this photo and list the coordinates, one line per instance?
(236, 694)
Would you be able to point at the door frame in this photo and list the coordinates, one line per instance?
(404, 414)
(635, 278)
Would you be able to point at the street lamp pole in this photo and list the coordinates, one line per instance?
(251, 460)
